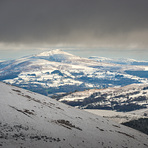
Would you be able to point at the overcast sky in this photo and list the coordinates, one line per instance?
(112, 26)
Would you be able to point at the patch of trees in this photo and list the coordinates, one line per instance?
(57, 72)
(92, 100)
(145, 88)
(104, 107)
(128, 107)
(141, 74)
(121, 81)
(140, 98)
(140, 125)
(9, 76)
(50, 90)
(77, 74)
(73, 103)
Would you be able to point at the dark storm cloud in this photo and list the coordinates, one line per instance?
(75, 22)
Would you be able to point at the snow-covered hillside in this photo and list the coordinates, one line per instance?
(122, 61)
(64, 57)
(119, 117)
(31, 120)
(57, 71)
(127, 98)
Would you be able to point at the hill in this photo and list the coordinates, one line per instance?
(124, 99)
(56, 71)
(31, 120)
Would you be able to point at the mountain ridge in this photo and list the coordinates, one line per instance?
(123, 61)
(57, 71)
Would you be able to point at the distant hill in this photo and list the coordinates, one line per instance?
(121, 61)
(123, 99)
(56, 71)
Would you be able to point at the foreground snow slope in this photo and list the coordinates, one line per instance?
(31, 120)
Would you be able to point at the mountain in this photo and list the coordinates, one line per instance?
(122, 61)
(56, 71)
(31, 120)
(124, 99)
(58, 55)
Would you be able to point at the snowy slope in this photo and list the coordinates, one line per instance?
(31, 120)
(64, 57)
(119, 117)
(57, 71)
(122, 61)
(127, 98)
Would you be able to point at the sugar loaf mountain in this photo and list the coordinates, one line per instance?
(56, 71)
(60, 75)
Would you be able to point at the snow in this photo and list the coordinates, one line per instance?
(31, 120)
(123, 61)
(52, 52)
(140, 112)
(146, 68)
(119, 117)
(76, 70)
(134, 94)
(80, 95)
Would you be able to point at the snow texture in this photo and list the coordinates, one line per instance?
(57, 69)
(31, 120)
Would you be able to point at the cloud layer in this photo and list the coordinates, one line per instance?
(100, 23)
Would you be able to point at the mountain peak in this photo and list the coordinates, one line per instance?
(52, 52)
(57, 55)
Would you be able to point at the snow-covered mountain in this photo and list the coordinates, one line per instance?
(57, 71)
(124, 99)
(122, 61)
(63, 57)
(31, 120)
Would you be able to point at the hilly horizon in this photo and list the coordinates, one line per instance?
(122, 61)
(121, 99)
(33, 120)
(53, 72)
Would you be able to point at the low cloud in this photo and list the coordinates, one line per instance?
(97, 23)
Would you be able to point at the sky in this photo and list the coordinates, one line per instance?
(110, 28)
